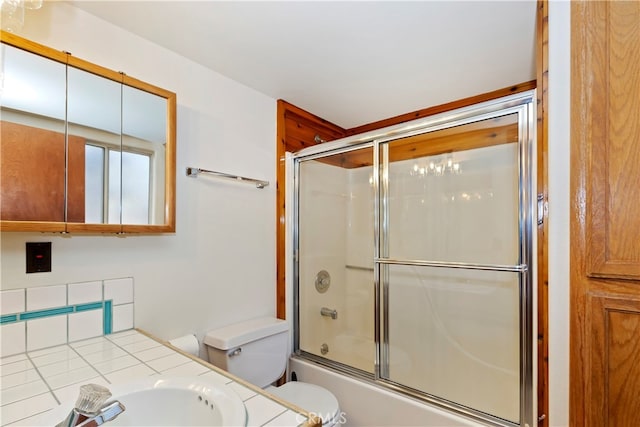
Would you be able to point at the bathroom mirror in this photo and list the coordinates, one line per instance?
(32, 132)
(85, 149)
(94, 122)
(144, 124)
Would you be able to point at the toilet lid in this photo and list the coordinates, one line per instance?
(317, 400)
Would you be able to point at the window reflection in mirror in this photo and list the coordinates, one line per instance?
(94, 182)
(106, 192)
(144, 138)
(93, 116)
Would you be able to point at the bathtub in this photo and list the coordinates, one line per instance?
(364, 404)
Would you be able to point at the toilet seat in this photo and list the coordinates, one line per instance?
(317, 400)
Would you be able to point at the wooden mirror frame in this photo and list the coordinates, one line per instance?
(170, 148)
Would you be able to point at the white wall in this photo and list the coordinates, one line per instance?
(558, 115)
(219, 266)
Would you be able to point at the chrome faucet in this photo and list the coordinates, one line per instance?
(90, 409)
(329, 313)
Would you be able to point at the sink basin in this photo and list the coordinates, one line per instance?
(169, 401)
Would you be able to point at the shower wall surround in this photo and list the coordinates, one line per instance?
(46, 316)
(340, 199)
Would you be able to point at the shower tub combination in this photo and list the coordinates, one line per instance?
(412, 268)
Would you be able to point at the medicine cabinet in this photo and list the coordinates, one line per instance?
(84, 148)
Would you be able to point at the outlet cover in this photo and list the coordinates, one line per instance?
(38, 257)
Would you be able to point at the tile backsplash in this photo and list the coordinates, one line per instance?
(46, 316)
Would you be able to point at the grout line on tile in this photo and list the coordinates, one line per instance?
(31, 397)
(32, 415)
(47, 348)
(20, 385)
(250, 397)
(154, 370)
(89, 364)
(134, 356)
(283, 411)
(42, 377)
(22, 368)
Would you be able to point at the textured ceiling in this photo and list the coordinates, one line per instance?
(349, 62)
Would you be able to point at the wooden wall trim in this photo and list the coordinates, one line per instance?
(542, 77)
(465, 102)
(281, 227)
(296, 129)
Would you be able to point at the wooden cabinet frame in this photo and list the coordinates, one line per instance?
(66, 225)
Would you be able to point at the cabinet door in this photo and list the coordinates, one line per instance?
(614, 340)
(605, 214)
(609, 73)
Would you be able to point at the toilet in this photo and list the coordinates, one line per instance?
(257, 351)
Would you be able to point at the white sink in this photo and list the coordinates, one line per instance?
(169, 401)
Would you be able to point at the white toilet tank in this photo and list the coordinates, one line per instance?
(255, 350)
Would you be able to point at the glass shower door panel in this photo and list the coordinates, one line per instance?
(453, 203)
(454, 334)
(335, 258)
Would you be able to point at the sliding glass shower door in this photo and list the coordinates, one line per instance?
(451, 265)
(336, 293)
(414, 250)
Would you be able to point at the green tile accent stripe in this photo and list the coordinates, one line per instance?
(39, 314)
(9, 318)
(45, 313)
(86, 307)
(107, 320)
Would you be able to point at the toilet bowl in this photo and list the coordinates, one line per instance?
(257, 351)
(315, 399)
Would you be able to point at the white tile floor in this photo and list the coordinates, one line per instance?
(35, 382)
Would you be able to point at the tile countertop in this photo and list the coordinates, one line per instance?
(35, 382)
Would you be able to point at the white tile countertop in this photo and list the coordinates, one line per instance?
(37, 381)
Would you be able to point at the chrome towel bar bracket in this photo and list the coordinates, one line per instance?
(194, 172)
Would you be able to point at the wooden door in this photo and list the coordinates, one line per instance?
(605, 214)
(34, 173)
